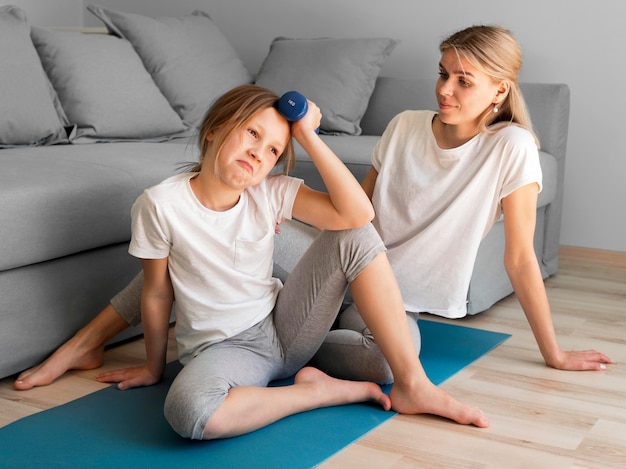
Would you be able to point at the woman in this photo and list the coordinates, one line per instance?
(439, 182)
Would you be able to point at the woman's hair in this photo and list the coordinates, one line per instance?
(494, 51)
(232, 111)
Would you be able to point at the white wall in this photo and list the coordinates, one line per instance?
(578, 42)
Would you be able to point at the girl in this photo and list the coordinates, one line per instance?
(206, 238)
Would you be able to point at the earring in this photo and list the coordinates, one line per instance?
(495, 108)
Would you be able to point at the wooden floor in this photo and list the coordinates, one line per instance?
(540, 417)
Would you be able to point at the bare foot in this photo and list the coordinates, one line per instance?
(84, 351)
(333, 391)
(70, 356)
(432, 400)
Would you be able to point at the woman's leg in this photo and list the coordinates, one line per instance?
(85, 350)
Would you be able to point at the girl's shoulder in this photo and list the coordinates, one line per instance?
(168, 187)
(275, 184)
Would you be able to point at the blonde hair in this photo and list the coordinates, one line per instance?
(494, 51)
(232, 111)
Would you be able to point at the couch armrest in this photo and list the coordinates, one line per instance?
(549, 107)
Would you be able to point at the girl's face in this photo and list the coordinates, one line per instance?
(250, 153)
(464, 93)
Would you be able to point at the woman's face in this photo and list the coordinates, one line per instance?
(250, 153)
(464, 93)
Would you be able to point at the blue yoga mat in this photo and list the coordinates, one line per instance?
(112, 428)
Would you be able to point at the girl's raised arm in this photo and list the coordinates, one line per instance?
(345, 205)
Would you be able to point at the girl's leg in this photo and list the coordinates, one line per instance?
(257, 407)
(290, 245)
(222, 392)
(127, 302)
(378, 299)
(350, 351)
(308, 304)
(85, 350)
(304, 308)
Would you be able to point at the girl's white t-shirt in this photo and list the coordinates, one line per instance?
(220, 263)
(434, 206)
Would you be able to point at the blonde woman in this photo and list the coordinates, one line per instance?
(439, 182)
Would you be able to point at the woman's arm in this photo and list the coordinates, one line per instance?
(523, 269)
(369, 183)
(345, 205)
(157, 298)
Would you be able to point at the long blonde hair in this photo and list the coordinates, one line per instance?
(494, 51)
(232, 111)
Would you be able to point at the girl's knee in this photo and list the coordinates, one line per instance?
(188, 411)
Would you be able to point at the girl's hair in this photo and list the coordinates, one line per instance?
(232, 111)
(494, 51)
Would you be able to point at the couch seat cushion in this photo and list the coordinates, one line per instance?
(60, 200)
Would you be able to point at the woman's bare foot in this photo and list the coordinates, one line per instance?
(69, 356)
(430, 399)
(333, 391)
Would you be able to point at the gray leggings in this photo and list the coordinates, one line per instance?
(284, 342)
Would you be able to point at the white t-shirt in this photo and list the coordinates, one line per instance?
(438, 204)
(220, 263)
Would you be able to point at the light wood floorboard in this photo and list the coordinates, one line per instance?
(540, 417)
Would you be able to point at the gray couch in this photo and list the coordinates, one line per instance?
(90, 130)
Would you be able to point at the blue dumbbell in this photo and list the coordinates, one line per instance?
(293, 106)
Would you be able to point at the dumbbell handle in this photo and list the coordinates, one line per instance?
(293, 106)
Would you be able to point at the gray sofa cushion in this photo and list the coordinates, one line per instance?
(104, 88)
(28, 115)
(337, 74)
(61, 200)
(188, 57)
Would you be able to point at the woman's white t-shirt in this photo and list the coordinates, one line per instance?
(434, 206)
(220, 263)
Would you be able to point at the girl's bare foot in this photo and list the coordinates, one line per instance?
(432, 400)
(69, 356)
(333, 391)
(84, 351)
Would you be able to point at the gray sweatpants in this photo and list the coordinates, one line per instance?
(285, 341)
